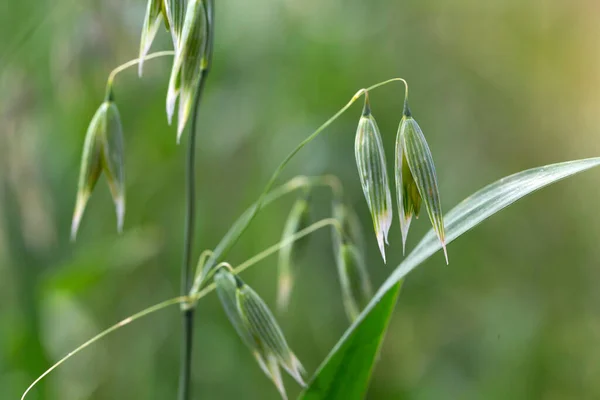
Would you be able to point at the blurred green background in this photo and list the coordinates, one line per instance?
(497, 86)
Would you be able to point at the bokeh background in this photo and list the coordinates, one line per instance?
(497, 86)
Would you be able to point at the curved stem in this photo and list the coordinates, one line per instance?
(226, 243)
(131, 63)
(126, 321)
(390, 81)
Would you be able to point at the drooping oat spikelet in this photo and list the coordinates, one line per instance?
(91, 165)
(407, 193)
(154, 14)
(298, 219)
(187, 66)
(113, 161)
(266, 332)
(102, 152)
(372, 170)
(226, 288)
(416, 178)
(258, 329)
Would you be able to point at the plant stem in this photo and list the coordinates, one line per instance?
(190, 225)
(131, 63)
(188, 312)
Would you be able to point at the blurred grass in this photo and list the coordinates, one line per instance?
(497, 87)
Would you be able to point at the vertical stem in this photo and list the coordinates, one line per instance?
(186, 282)
(190, 224)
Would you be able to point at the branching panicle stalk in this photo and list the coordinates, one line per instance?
(225, 245)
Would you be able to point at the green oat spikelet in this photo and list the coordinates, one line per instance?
(226, 288)
(372, 170)
(154, 15)
(258, 329)
(102, 152)
(266, 331)
(298, 219)
(416, 179)
(188, 64)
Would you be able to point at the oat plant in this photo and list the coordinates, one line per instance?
(345, 372)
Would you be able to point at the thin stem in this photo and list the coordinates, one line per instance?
(126, 321)
(389, 81)
(190, 224)
(134, 62)
(185, 377)
(188, 313)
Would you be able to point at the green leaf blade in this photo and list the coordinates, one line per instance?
(347, 371)
(336, 373)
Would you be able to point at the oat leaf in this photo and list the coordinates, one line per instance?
(345, 373)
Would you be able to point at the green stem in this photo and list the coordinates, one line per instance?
(188, 312)
(131, 63)
(190, 224)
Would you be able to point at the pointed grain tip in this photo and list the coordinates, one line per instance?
(180, 128)
(74, 229)
(120, 211)
(77, 215)
(381, 245)
(445, 252)
(170, 110)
